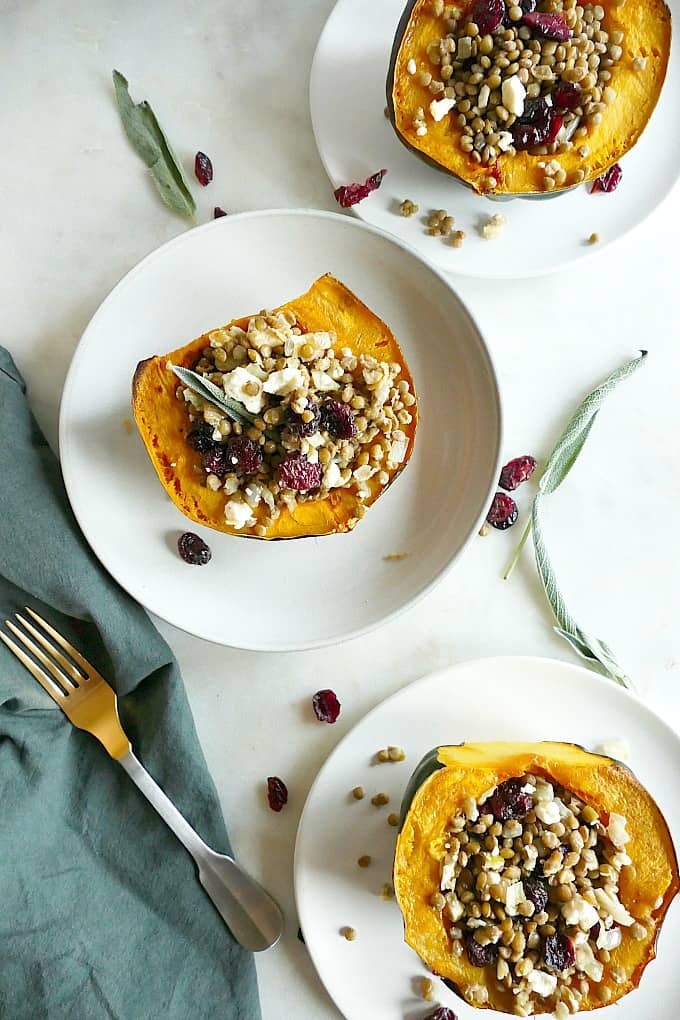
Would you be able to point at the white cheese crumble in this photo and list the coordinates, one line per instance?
(483, 98)
(283, 382)
(454, 907)
(504, 141)
(513, 95)
(579, 912)
(616, 830)
(611, 905)
(514, 896)
(242, 384)
(584, 959)
(541, 983)
(615, 747)
(440, 107)
(323, 381)
(494, 227)
(548, 812)
(411, 66)
(609, 938)
(396, 455)
(237, 514)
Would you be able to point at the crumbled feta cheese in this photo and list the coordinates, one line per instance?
(610, 904)
(237, 514)
(363, 473)
(464, 50)
(616, 830)
(440, 107)
(449, 872)
(514, 896)
(541, 983)
(483, 97)
(504, 141)
(316, 439)
(548, 812)
(493, 228)
(584, 959)
(513, 95)
(454, 907)
(421, 130)
(544, 791)
(411, 66)
(323, 382)
(493, 862)
(615, 747)
(578, 912)
(284, 381)
(244, 386)
(609, 938)
(397, 451)
(528, 788)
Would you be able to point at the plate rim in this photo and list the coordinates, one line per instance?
(588, 253)
(68, 471)
(492, 661)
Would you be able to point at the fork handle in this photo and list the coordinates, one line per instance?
(253, 917)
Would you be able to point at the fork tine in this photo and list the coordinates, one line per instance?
(64, 682)
(43, 679)
(67, 666)
(88, 669)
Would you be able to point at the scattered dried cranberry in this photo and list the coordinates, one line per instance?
(298, 427)
(199, 437)
(558, 952)
(218, 212)
(609, 181)
(193, 549)
(507, 801)
(550, 26)
(442, 1013)
(338, 419)
(566, 95)
(487, 15)
(517, 471)
(594, 932)
(503, 512)
(277, 793)
(243, 456)
(480, 956)
(538, 124)
(537, 892)
(296, 472)
(203, 169)
(215, 461)
(326, 706)
(349, 194)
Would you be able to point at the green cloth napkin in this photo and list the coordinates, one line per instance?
(101, 913)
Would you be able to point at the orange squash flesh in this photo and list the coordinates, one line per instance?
(646, 888)
(163, 419)
(646, 25)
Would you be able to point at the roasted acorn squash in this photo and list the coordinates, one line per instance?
(436, 791)
(647, 34)
(163, 420)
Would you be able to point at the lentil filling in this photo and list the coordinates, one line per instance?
(530, 892)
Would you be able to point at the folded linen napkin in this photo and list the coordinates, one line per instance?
(101, 913)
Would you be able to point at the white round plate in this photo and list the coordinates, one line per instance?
(309, 592)
(354, 139)
(510, 698)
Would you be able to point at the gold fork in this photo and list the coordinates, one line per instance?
(85, 697)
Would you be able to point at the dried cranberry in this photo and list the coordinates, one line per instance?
(200, 437)
(203, 169)
(218, 212)
(349, 194)
(277, 793)
(537, 892)
(296, 472)
(609, 181)
(298, 427)
(326, 706)
(480, 956)
(558, 952)
(539, 123)
(508, 801)
(193, 549)
(442, 1013)
(503, 512)
(487, 15)
(215, 461)
(550, 26)
(338, 419)
(594, 932)
(242, 455)
(517, 471)
(566, 95)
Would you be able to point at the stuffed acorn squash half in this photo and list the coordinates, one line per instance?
(532, 878)
(284, 424)
(524, 97)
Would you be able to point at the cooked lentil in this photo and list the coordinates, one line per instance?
(349, 933)
(551, 871)
(393, 819)
(408, 208)
(358, 793)
(380, 800)
(364, 861)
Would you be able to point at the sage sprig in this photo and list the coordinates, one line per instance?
(151, 143)
(560, 462)
(234, 409)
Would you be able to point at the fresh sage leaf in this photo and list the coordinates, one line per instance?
(234, 409)
(151, 143)
(560, 462)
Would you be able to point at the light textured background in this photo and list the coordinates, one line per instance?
(77, 213)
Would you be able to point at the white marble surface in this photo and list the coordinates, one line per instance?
(77, 213)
